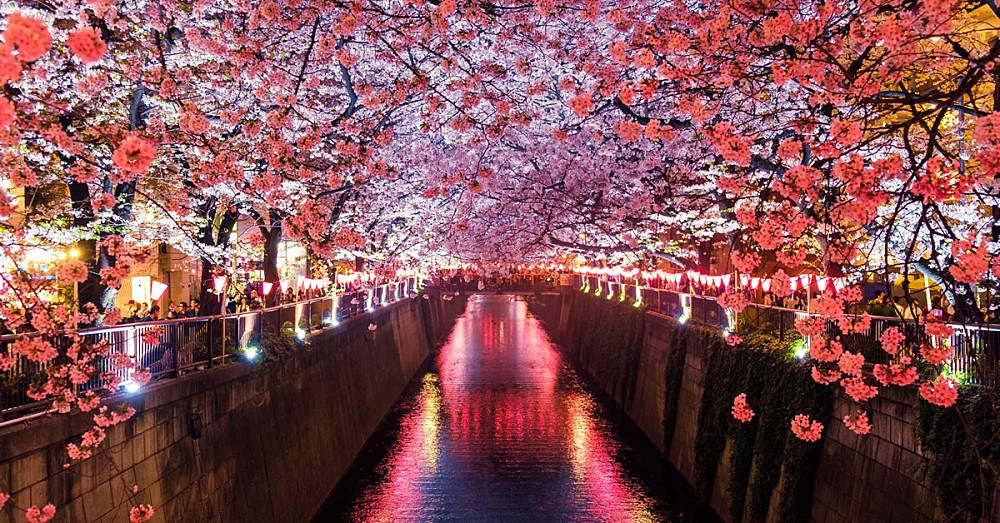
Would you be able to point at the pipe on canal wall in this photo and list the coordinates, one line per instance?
(263, 442)
(869, 478)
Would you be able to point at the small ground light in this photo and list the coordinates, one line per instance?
(131, 387)
(300, 334)
(251, 353)
(800, 349)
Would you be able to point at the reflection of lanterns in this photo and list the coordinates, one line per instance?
(266, 286)
(157, 290)
(220, 283)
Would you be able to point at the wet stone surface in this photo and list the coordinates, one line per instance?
(500, 428)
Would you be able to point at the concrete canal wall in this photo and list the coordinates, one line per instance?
(639, 362)
(242, 442)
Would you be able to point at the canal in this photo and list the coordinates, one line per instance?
(501, 428)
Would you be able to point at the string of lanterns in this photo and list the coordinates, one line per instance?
(720, 281)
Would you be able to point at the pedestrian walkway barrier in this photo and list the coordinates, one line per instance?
(170, 348)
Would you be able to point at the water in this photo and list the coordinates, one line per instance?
(502, 429)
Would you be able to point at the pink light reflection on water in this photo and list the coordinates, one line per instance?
(504, 434)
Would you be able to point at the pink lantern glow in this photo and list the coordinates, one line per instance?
(157, 290)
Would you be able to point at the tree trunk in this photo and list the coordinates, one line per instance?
(272, 244)
(211, 304)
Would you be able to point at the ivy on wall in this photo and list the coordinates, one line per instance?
(961, 445)
(607, 340)
(762, 451)
(673, 377)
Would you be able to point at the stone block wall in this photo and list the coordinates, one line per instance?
(871, 478)
(242, 442)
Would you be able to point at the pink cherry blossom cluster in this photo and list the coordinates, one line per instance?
(806, 429)
(891, 339)
(141, 513)
(742, 410)
(72, 271)
(40, 515)
(858, 390)
(851, 364)
(898, 373)
(936, 355)
(943, 391)
(857, 422)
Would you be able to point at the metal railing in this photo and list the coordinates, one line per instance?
(175, 347)
(976, 347)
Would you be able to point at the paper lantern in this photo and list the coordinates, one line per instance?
(267, 286)
(300, 282)
(156, 290)
(726, 279)
(755, 282)
(284, 285)
(765, 284)
(793, 284)
(220, 283)
(839, 283)
(805, 280)
(822, 282)
(744, 280)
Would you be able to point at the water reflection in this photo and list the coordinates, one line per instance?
(499, 430)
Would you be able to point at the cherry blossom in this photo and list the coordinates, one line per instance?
(943, 391)
(857, 422)
(741, 410)
(806, 429)
(40, 515)
(86, 43)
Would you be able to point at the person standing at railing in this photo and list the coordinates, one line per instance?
(255, 301)
(241, 306)
(195, 309)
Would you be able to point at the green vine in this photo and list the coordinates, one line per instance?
(673, 377)
(961, 445)
(607, 340)
(762, 450)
